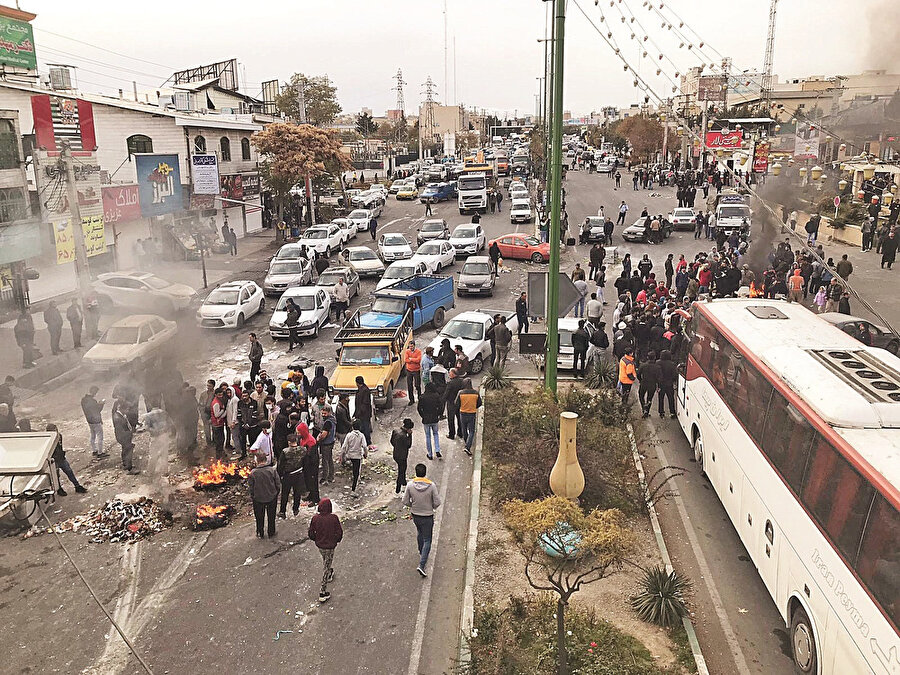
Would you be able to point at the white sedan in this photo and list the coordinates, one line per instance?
(348, 227)
(402, 269)
(436, 255)
(324, 239)
(360, 218)
(314, 304)
(364, 261)
(393, 246)
(231, 304)
(137, 339)
(143, 290)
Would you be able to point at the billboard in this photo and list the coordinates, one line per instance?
(121, 203)
(94, 231)
(761, 158)
(233, 187)
(159, 184)
(250, 183)
(806, 141)
(727, 140)
(17, 44)
(205, 173)
(58, 119)
(711, 88)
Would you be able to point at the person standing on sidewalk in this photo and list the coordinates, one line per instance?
(290, 469)
(468, 401)
(59, 458)
(454, 386)
(54, 322)
(76, 320)
(354, 450)
(430, 408)
(421, 496)
(401, 442)
(412, 359)
(24, 332)
(325, 529)
(264, 486)
(255, 355)
(93, 409)
(326, 439)
(502, 341)
(204, 407)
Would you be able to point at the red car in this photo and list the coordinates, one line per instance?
(523, 246)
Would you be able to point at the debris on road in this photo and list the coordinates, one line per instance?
(115, 521)
(218, 474)
(211, 516)
(278, 634)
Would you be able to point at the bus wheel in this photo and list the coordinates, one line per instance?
(803, 643)
(698, 452)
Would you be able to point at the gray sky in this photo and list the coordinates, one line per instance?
(361, 43)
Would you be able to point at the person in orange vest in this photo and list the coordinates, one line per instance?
(412, 359)
(627, 374)
(795, 286)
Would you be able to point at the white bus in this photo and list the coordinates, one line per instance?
(797, 426)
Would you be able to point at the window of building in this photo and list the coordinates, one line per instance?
(139, 143)
(199, 144)
(245, 149)
(9, 145)
(12, 205)
(225, 148)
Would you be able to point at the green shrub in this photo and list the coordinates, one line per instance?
(496, 378)
(520, 639)
(661, 598)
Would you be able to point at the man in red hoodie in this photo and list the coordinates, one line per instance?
(325, 529)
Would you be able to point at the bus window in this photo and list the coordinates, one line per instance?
(751, 399)
(786, 441)
(879, 558)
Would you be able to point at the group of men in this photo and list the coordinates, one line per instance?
(78, 320)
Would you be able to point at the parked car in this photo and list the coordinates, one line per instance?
(292, 252)
(324, 239)
(523, 247)
(881, 336)
(478, 275)
(435, 228)
(143, 338)
(144, 290)
(396, 185)
(402, 269)
(365, 261)
(437, 192)
(408, 191)
(231, 304)
(285, 274)
(596, 232)
(470, 330)
(360, 218)
(348, 227)
(314, 304)
(436, 255)
(393, 246)
(329, 278)
(520, 211)
(683, 218)
(373, 200)
(467, 239)
(637, 232)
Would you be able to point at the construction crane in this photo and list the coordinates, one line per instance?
(770, 53)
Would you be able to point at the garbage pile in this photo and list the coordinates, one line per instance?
(116, 521)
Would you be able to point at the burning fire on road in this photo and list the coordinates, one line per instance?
(218, 474)
(755, 291)
(211, 516)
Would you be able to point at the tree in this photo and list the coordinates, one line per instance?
(465, 141)
(645, 135)
(589, 547)
(365, 124)
(292, 152)
(319, 99)
(536, 146)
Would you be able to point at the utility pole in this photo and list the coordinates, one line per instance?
(559, 26)
(767, 65)
(82, 270)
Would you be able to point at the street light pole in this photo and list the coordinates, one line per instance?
(552, 312)
(82, 270)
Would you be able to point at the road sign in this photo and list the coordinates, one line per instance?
(537, 294)
(837, 202)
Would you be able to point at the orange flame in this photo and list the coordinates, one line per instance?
(209, 511)
(219, 473)
(755, 291)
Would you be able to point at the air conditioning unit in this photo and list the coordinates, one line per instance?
(183, 100)
(60, 78)
(167, 101)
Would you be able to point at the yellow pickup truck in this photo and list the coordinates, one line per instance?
(374, 353)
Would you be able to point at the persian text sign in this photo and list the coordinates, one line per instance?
(17, 44)
(65, 242)
(726, 140)
(159, 184)
(761, 158)
(121, 203)
(205, 172)
(94, 238)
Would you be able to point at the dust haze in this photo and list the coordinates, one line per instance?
(883, 17)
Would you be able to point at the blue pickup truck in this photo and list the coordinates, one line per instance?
(437, 192)
(430, 298)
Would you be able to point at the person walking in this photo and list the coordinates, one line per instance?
(292, 320)
(427, 208)
(326, 439)
(124, 431)
(430, 408)
(522, 313)
(648, 374)
(421, 496)
(668, 374)
(310, 463)
(889, 248)
(454, 386)
(76, 321)
(868, 230)
(54, 322)
(467, 402)
(502, 342)
(401, 442)
(627, 373)
(93, 409)
(499, 201)
(355, 450)
(844, 268)
(255, 355)
(59, 458)
(373, 227)
(363, 408)
(326, 531)
(412, 360)
(264, 484)
(290, 469)
(341, 295)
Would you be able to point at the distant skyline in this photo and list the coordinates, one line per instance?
(360, 45)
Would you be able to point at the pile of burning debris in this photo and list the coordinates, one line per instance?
(211, 516)
(116, 521)
(219, 474)
(227, 481)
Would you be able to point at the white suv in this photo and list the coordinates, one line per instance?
(467, 239)
(324, 239)
(231, 304)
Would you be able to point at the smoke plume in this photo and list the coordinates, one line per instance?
(883, 17)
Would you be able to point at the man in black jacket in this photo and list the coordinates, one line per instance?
(401, 442)
(580, 342)
(92, 409)
(668, 372)
(363, 408)
(342, 417)
(648, 374)
(454, 386)
(430, 407)
(255, 356)
(248, 421)
(522, 312)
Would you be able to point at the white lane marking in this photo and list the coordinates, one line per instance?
(419, 634)
(389, 223)
(718, 605)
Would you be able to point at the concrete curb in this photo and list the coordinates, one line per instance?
(702, 669)
(467, 614)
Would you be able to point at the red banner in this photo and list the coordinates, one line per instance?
(761, 158)
(727, 141)
(121, 203)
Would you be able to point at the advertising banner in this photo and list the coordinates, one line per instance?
(159, 184)
(806, 141)
(711, 88)
(205, 172)
(251, 184)
(121, 203)
(94, 232)
(17, 44)
(730, 140)
(65, 241)
(761, 158)
(233, 188)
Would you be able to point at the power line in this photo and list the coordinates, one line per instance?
(103, 49)
(103, 64)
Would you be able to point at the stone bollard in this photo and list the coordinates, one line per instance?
(566, 477)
